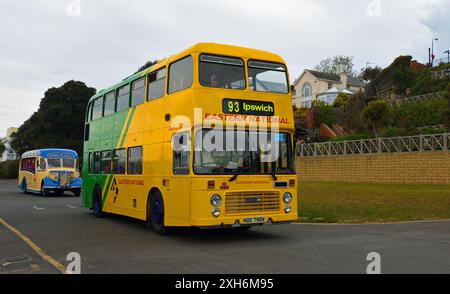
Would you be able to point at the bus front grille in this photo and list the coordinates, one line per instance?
(65, 179)
(252, 202)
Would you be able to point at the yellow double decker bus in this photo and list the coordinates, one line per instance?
(201, 139)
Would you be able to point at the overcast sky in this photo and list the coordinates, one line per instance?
(46, 43)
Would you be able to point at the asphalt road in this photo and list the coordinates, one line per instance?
(59, 225)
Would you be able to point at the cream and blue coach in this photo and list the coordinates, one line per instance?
(47, 171)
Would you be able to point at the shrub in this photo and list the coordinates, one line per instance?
(396, 132)
(415, 115)
(352, 137)
(11, 169)
(324, 114)
(2, 170)
(377, 116)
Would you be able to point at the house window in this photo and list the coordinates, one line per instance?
(306, 90)
(330, 85)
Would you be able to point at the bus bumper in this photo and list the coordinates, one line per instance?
(244, 221)
(51, 184)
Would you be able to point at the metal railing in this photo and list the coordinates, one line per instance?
(420, 143)
(416, 99)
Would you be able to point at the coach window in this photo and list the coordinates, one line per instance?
(181, 152)
(135, 161)
(180, 75)
(123, 98)
(96, 163)
(119, 158)
(156, 84)
(138, 92)
(97, 109)
(110, 103)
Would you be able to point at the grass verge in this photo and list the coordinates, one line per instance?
(365, 203)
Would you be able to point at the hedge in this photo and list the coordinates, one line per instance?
(9, 169)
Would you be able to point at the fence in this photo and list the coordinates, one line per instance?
(420, 143)
(416, 99)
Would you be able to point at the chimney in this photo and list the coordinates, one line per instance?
(342, 72)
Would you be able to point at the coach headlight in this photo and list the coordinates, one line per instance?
(216, 200)
(54, 176)
(287, 197)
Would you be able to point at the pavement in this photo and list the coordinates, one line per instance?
(37, 233)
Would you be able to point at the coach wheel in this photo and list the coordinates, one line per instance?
(24, 186)
(155, 214)
(77, 192)
(44, 192)
(97, 203)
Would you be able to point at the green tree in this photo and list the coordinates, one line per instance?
(323, 114)
(147, 65)
(377, 116)
(330, 65)
(2, 148)
(370, 73)
(341, 100)
(59, 121)
(446, 113)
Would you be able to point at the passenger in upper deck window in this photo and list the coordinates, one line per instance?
(215, 81)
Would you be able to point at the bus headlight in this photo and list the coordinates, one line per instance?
(216, 212)
(287, 197)
(216, 200)
(287, 208)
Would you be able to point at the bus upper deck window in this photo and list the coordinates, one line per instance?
(97, 110)
(181, 75)
(123, 98)
(138, 92)
(268, 77)
(110, 101)
(157, 84)
(221, 72)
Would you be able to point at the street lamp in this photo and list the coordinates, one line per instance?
(432, 50)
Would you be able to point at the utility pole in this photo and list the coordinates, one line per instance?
(432, 50)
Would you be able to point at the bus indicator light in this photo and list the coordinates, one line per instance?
(211, 184)
(291, 183)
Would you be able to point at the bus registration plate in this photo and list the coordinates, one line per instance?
(254, 220)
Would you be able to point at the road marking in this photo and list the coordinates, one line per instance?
(38, 208)
(36, 248)
(71, 206)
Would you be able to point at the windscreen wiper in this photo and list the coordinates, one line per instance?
(274, 176)
(238, 173)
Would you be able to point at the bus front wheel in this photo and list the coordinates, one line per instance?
(97, 203)
(44, 192)
(155, 213)
(77, 192)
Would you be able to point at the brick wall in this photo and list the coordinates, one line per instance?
(402, 168)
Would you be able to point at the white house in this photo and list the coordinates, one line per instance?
(314, 85)
(9, 153)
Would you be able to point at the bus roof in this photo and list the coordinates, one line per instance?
(212, 48)
(51, 153)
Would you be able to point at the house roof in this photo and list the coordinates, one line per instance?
(334, 78)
